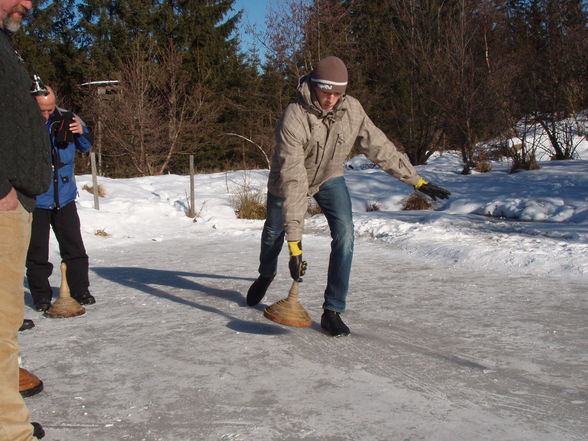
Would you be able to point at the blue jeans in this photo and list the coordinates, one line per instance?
(333, 198)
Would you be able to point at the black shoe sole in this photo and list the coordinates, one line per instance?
(330, 334)
(26, 325)
(42, 307)
(32, 391)
(257, 291)
(334, 326)
(38, 431)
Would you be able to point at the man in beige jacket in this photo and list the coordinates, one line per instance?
(313, 139)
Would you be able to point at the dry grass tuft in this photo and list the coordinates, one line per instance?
(416, 201)
(520, 163)
(90, 189)
(250, 205)
(373, 206)
(102, 233)
(482, 166)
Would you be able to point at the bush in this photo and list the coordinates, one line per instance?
(416, 201)
(250, 205)
(90, 189)
(519, 162)
(373, 206)
(482, 166)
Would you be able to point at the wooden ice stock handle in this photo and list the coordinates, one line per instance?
(64, 287)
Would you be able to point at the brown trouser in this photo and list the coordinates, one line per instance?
(15, 231)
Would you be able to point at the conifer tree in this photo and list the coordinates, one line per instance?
(204, 31)
(109, 28)
(394, 84)
(51, 44)
(203, 35)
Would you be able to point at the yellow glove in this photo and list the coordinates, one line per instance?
(420, 183)
(295, 248)
(297, 265)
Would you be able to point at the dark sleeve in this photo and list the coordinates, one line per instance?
(24, 141)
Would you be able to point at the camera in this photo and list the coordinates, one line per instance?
(63, 135)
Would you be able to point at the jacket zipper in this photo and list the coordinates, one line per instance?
(317, 152)
(335, 146)
(56, 159)
(317, 162)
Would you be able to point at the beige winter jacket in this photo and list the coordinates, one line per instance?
(312, 145)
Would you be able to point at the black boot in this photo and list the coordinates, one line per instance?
(258, 290)
(84, 298)
(38, 431)
(42, 306)
(26, 324)
(332, 323)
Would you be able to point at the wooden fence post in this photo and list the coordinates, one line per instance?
(94, 180)
(192, 210)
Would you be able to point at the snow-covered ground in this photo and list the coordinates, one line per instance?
(469, 321)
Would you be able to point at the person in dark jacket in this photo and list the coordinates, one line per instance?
(25, 172)
(56, 208)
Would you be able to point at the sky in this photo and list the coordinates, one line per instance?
(254, 10)
(468, 321)
(254, 13)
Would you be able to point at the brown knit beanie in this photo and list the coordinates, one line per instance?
(330, 75)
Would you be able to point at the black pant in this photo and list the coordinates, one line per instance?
(66, 226)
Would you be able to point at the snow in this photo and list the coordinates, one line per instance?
(469, 320)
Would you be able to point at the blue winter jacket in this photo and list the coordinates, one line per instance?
(63, 188)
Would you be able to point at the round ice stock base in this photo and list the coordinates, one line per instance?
(65, 306)
(289, 311)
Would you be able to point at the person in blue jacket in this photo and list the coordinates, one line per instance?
(56, 209)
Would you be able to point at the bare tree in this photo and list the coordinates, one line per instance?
(524, 155)
(284, 41)
(156, 114)
(328, 31)
(131, 125)
(553, 37)
(190, 107)
(286, 37)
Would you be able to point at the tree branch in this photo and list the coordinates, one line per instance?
(255, 144)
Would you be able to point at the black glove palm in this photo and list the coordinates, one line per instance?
(297, 265)
(434, 191)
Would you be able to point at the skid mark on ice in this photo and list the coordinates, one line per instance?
(401, 362)
(532, 406)
(232, 437)
(360, 351)
(458, 360)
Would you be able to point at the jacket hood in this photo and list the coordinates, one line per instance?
(308, 101)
